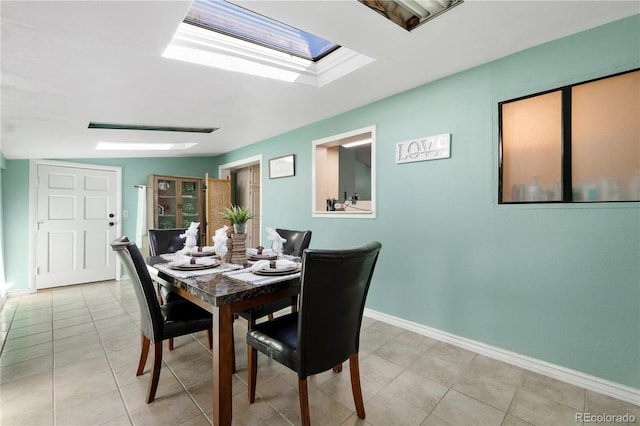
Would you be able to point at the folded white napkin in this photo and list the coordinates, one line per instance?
(190, 234)
(280, 264)
(196, 250)
(201, 261)
(205, 249)
(265, 252)
(277, 240)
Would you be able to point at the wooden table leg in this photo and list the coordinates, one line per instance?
(222, 358)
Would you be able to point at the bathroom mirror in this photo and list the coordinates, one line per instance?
(344, 175)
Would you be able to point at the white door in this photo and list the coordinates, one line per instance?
(76, 217)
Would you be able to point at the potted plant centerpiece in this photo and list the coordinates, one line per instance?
(238, 216)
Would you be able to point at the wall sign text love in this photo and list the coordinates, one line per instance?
(429, 148)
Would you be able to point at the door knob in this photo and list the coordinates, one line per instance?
(111, 215)
(111, 223)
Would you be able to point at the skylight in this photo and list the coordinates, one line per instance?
(219, 34)
(229, 19)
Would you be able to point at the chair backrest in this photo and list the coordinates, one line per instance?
(163, 241)
(334, 286)
(151, 319)
(296, 242)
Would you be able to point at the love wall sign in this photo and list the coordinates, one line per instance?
(429, 148)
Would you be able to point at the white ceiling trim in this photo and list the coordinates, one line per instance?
(205, 47)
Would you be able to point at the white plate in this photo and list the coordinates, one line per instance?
(277, 271)
(202, 253)
(194, 266)
(262, 257)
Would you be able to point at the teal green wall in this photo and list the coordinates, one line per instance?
(3, 290)
(557, 283)
(15, 220)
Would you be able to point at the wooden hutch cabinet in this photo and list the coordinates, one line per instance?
(174, 202)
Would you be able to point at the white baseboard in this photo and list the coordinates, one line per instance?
(595, 384)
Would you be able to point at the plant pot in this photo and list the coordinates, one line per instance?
(240, 228)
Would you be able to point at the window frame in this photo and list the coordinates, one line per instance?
(566, 183)
(336, 140)
(239, 13)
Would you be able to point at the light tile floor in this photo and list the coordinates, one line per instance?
(69, 357)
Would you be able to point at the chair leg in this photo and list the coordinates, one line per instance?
(233, 362)
(337, 368)
(155, 372)
(233, 354)
(270, 317)
(252, 365)
(250, 324)
(144, 352)
(354, 368)
(304, 402)
(210, 337)
(171, 344)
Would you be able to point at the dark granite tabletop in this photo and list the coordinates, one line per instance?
(217, 289)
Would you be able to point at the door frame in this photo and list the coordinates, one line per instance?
(33, 208)
(224, 172)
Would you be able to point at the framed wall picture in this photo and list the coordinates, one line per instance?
(282, 166)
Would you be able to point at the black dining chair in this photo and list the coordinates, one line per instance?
(163, 241)
(158, 322)
(297, 242)
(325, 331)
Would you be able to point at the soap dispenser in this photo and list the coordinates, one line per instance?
(534, 189)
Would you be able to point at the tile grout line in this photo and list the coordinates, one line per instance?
(513, 398)
(466, 368)
(183, 386)
(53, 363)
(53, 372)
(4, 341)
(113, 374)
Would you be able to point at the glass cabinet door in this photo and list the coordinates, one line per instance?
(167, 203)
(190, 204)
(174, 201)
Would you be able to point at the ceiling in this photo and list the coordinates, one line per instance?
(65, 64)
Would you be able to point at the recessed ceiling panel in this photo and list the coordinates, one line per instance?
(409, 14)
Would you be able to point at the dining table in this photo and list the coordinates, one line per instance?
(223, 291)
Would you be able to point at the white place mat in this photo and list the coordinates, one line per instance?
(251, 278)
(174, 257)
(225, 267)
(284, 256)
